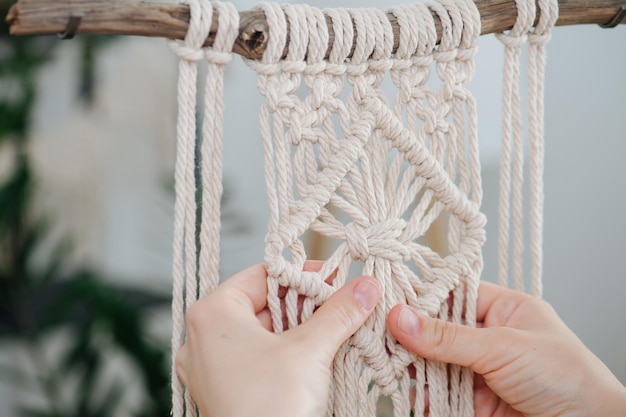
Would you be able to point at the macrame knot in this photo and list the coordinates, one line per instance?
(217, 57)
(402, 64)
(336, 70)
(314, 69)
(292, 67)
(422, 62)
(466, 54)
(379, 239)
(442, 56)
(187, 53)
(512, 41)
(434, 121)
(356, 70)
(539, 38)
(380, 66)
(458, 265)
(356, 239)
(376, 357)
(305, 283)
(200, 16)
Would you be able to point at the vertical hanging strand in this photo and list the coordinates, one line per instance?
(464, 147)
(512, 171)
(537, 39)
(444, 55)
(268, 71)
(190, 53)
(212, 141)
(184, 245)
(344, 35)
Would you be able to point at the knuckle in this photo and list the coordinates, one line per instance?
(545, 307)
(444, 336)
(346, 315)
(505, 350)
(196, 317)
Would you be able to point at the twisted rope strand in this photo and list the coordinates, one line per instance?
(212, 144)
(195, 273)
(538, 38)
(512, 170)
(511, 178)
(184, 245)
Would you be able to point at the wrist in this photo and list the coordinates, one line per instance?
(610, 402)
(617, 403)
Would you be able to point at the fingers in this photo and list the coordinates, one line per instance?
(265, 317)
(250, 283)
(340, 316)
(443, 341)
(496, 303)
(248, 289)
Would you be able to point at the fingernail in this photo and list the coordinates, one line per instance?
(367, 293)
(408, 321)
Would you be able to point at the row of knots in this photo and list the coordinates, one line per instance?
(301, 33)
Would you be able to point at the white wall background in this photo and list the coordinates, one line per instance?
(103, 169)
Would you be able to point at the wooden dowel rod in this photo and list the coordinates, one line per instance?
(168, 20)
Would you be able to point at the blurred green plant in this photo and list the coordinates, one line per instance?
(40, 298)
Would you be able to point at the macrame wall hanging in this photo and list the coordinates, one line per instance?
(370, 172)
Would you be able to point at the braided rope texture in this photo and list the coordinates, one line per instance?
(373, 175)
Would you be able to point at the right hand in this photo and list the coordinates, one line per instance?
(527, 361)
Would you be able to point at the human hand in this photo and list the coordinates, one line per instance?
(527, 361)
(234, 365)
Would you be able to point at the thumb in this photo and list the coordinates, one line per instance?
(442, 341)
(340, 316)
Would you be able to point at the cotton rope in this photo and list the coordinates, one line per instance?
(371, 174)
(189, 262)
(512, 160)
(374, 176)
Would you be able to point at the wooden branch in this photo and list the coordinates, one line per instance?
(167, 20)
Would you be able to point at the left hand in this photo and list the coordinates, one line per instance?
(234, 365)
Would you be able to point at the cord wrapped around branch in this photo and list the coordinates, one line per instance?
(125, 17)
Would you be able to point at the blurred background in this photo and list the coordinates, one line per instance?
(87, 146)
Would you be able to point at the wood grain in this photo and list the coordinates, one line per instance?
(168, 20)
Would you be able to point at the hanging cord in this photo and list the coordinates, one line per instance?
(511, 209)
(512, 163)
(537, 39)
(212, 143)
(186, 288)
(184, 262)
